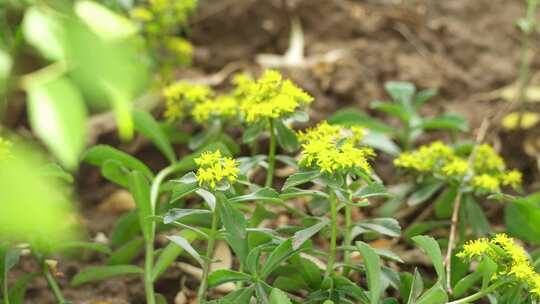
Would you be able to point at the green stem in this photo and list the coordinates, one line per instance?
(148, 267)
(271, 156)
(478, 295)
(51, 281)
(333, 226)
(201, 295)
(5, 290)
(348, 238)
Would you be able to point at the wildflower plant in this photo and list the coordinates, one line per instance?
(504, 269)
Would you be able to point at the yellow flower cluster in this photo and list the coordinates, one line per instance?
(215, 169)
(5, 149)
(160, 22)
(269, 97)
(222, 106)
(488, 173)
(512, 260)
(332, 149)
(182, 96)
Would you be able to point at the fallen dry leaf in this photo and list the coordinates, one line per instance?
(119, 201)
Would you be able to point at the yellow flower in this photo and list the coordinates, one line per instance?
(511, 259)
(486, 182)
(5, 149)
(334, 149)
(475, 248)
(487, 160)
(425, 159)
(181, 96)
(269, 97)
(180, 48)
(142, 14)
(512, 178)
(222, 106)
(215, 169)
(456, 167)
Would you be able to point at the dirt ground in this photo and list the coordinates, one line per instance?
(463, 48)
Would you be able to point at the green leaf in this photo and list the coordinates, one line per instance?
(57, 115)
(175, 214)
(127, 252)
(147, 125)
(280, 254)
(294, 192)
(181, 190)
(402, 92)
(445, 203)
(381, 141)
(262, 194)
(97, 155)
(185, 244)
(521, 218)
(285, 136)
(111, 26)
(423, 227)
(115, 172)
(476, 216)
(81, 245)
(465, 284)
(435, 295)
(431, 247)
(372, 190)
(279, 297)
(301, 236)
(424, 96)
(140, 189)
(445, 122)
(55, 171)
(208, 197)
(235, 227)
(126, 228)
(300, 178)
(18, 290)
(424, 192)
(373, 270)
(223, 276)
(170, 253)
(353, 117)
(44, 33)
(386, 226)
(390, 108)
(98, 273)
(417, 286)
(254, 131)
(239, 296)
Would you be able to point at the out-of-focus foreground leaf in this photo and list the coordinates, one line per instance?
(35, 208)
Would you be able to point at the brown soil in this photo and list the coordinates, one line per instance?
(464, 48)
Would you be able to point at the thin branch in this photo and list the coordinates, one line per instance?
(457, 204)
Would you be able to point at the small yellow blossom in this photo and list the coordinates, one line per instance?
(180, 48)
(5, 149)
(269, 97)
(334, 149)
(222, 106)
(475, 248)
(182, 96)
(512, 178)
(487, 159)
(486, 182)
(215, 169)
(426, 158)
(456, 167)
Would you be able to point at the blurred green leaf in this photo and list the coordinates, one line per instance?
(185, 244)
(285, 136)
(147, 125)
(424, 192)
(169, 254)
(58, 116)
(402, 92)
(301, 236)
(223, 276)
(300, 178)
(381, 142)
(354, 117)
(521, 218)
(99, 154)
(262, 194)
(140, 189)
(279, 297)
(447, 121)
(98, 273)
